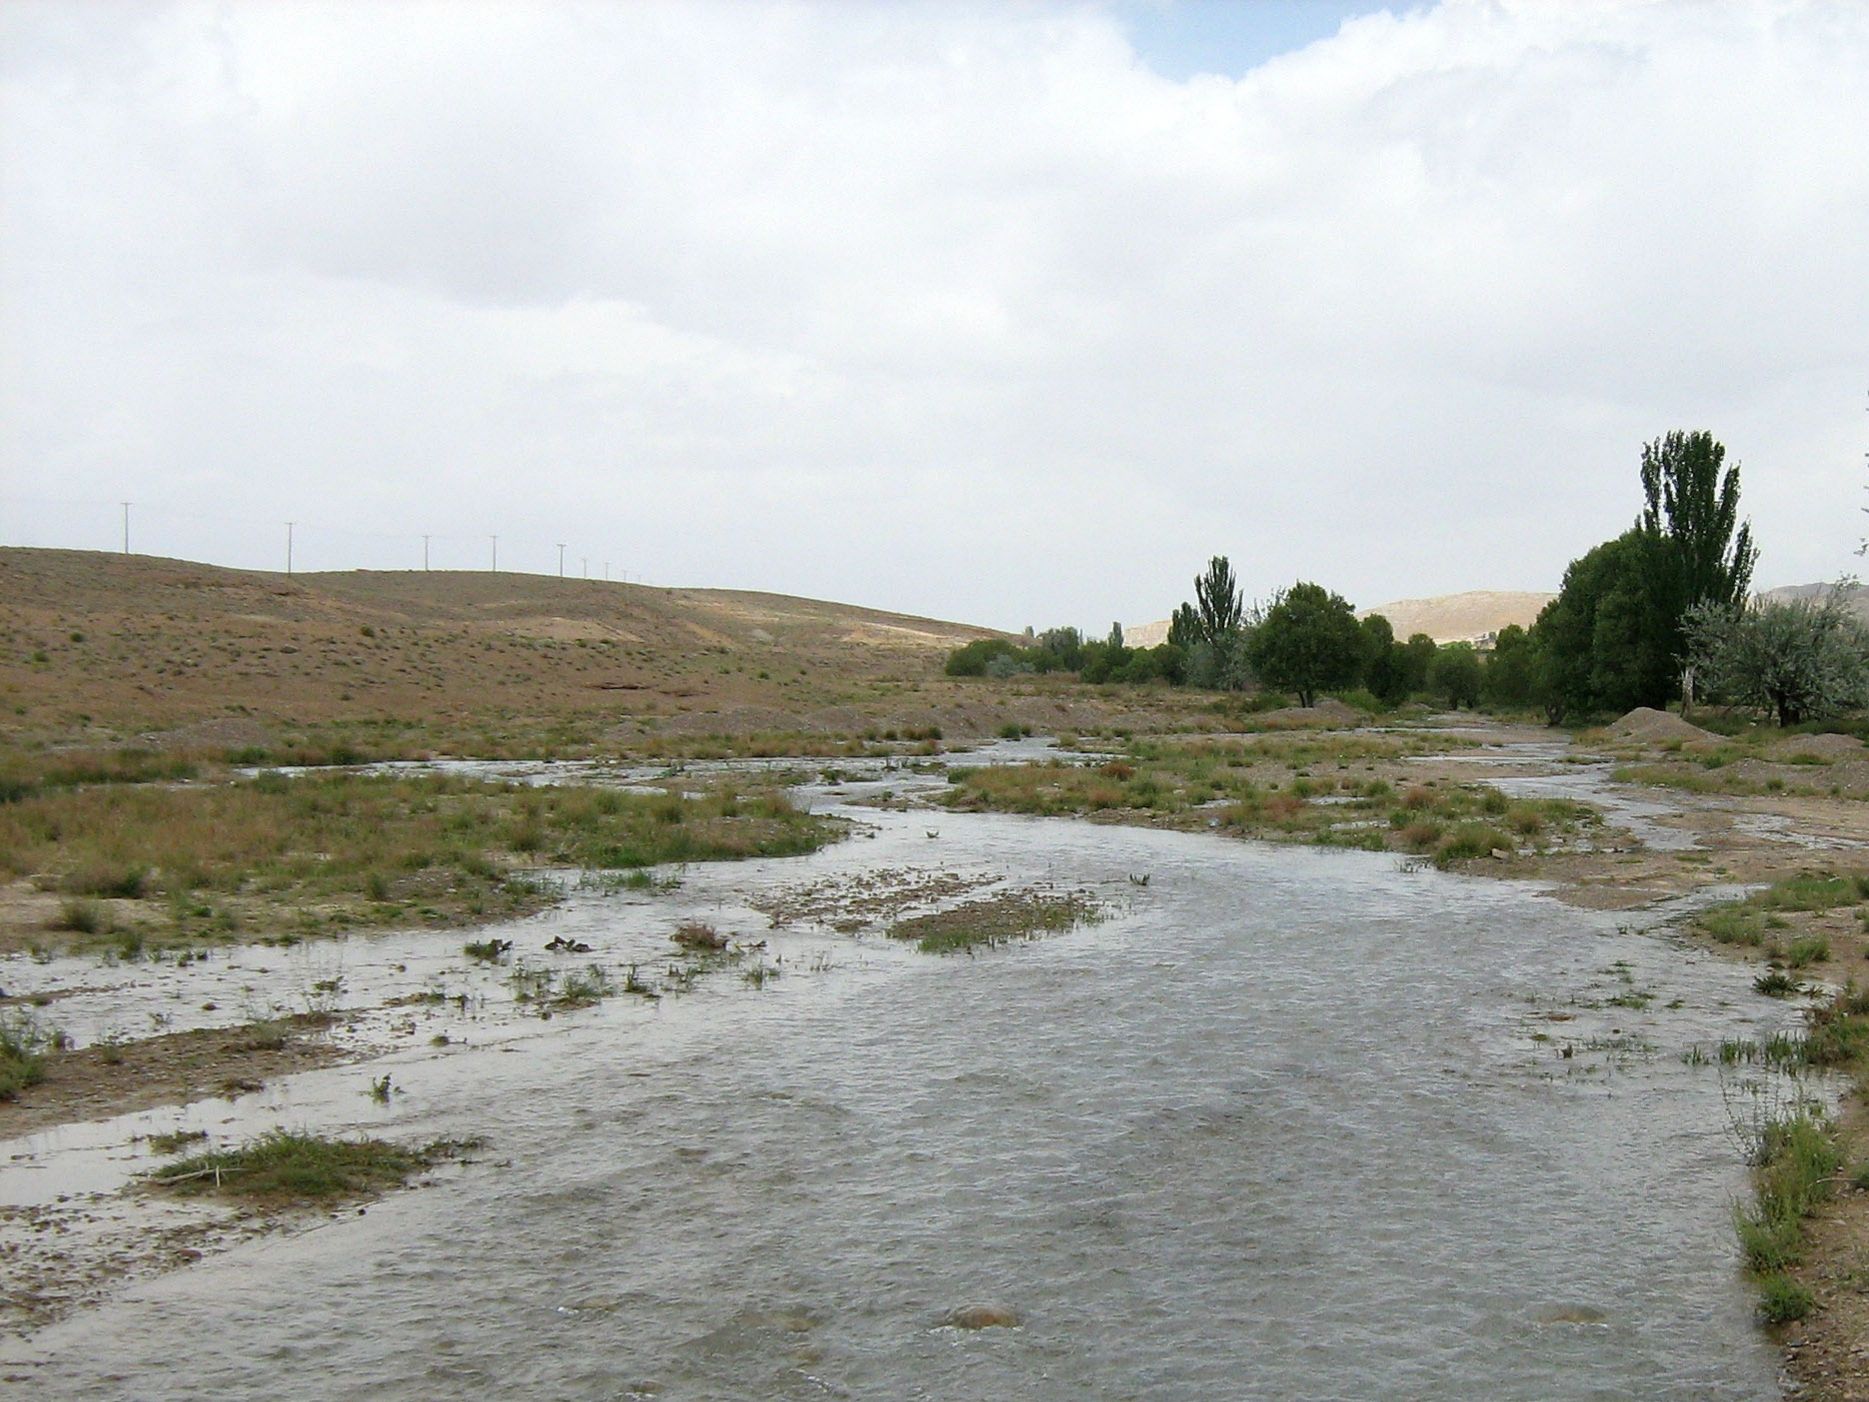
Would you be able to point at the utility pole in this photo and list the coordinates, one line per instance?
(496, 552)
(584, 566)
(561, 559)
(289, 549)
(126, 527)
(424, 554)
(606, 571)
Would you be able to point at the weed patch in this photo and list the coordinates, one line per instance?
(997, 920)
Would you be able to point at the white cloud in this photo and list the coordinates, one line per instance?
(958, 309)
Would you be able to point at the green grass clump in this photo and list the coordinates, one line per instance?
(1813, 949)
(1838, 1032)
(1471, 840)
(590, 985)
(1733, 924)
(1775, 983)
(283, 1166)
(1781, 1299)
(82, 917)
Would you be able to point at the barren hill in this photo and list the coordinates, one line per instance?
(93, 641)
(1467, 617)
(1855, 596)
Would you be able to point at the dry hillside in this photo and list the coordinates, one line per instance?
(1453, 618)
(1855, 596)
(98, 646)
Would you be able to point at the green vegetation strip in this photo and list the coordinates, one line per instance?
(286, 1167)
(1795, 1162)
(1695, 779)
(203, 862)
(1012, 915)
(1318, 788)
(1749, 921)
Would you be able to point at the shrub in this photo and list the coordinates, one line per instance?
(1782, 1300)
(1470, 840)
(122, 882)
(971, 659)
(23, 1047)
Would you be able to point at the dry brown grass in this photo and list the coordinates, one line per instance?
(105, 646)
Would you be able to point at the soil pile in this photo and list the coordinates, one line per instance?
(1825, 749)
(1328, 712)
(1651, 727)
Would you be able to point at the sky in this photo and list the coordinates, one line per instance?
(1010, 313)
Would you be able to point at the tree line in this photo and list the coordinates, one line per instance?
(1662, 611)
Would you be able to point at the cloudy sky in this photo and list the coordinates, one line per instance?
(1010, 312)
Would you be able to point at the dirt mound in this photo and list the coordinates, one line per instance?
(1652, 727)
(1825, 749)
(1328, 712)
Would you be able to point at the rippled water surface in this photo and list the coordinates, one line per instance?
(1291, 1124)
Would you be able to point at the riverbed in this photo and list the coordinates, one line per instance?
(1287, 1122)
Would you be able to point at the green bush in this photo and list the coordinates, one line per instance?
(971, 659)
(23, 1048)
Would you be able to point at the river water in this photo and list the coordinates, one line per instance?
(1291, 1123)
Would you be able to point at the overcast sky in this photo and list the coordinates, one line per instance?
(1009, 313)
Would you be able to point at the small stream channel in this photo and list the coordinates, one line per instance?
(1290, 1123)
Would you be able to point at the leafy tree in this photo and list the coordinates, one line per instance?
(1308, 640)
(1602, 645)
(1220, 602)
(1804, 658)
(1384, 672)
(1116, 638)
(1689, 503)
(1171, 662)
(1184, 628)
(1455, 674)
(1700, 550)
(1509, 671)
(1060, 650)
(1417, 656)
(971, 659)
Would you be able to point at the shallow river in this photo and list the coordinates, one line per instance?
(1291, 1124)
